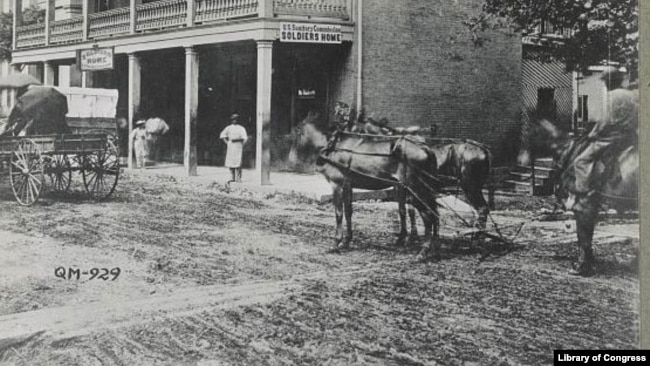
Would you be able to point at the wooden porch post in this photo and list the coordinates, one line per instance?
(132, 16)
(191, 106)
(48, 73)
(15, 69)
(87, 8)
(263, 126)
(191, 12)
(49, 18)
(87, 79)
(265, 8)
(134, 98)
(18, 19)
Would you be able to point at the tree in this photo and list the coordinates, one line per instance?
(31, 15)
(602, 30)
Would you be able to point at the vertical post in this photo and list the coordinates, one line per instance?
(191, 105)
(15, 69)
(263, 126)
(359, 28)
(574, 101)
(87, 8)
(265, 8)
(132, 16)
(48, 73)
(134, 98)
(49, 18)
(87, 79)
(294, 88)
(191, 12)
(18, 19)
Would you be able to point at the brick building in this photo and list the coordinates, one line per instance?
(194, 62)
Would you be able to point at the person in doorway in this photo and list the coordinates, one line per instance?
(617, 129)
(139, 137)
(234, 136)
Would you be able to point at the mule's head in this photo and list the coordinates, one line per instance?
(309, 138)
(547, 139)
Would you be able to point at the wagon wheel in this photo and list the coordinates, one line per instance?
(60, 173)
(26, 172)
(100, 171)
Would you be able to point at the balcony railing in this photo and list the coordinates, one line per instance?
(67, 31)
(161, 14)
(171, 14)
(212, 10)
(30, 36)
(108, 23)
(319, 8)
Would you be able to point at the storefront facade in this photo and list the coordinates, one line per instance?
(195, 62)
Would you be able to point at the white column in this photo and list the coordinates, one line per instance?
(87, 79)
(132, 15)
(49, 18)
(265, 8)
(359, 29)
(191, 12)
(15, 69)
(263, 127)
(18, 19)
(191, 105)
(134, 98)
(574, 100)
(48, 73)
(87, 8)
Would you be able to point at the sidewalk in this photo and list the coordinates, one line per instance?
(312, 186)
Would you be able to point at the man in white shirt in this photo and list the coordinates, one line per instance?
(235, 137)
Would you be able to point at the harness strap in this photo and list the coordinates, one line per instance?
(392, 182)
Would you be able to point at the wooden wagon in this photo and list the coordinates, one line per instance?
(40, 162)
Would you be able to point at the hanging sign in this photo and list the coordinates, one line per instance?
(310, 33)
(306, 93)
(95, 59)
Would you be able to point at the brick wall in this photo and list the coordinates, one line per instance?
(421, 67)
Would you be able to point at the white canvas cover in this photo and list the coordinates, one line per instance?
(90, 102)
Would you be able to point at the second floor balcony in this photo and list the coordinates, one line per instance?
(169, 14)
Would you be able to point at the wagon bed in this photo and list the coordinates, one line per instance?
(33, 159)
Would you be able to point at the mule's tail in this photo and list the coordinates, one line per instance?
(492, 187)
(491, 184)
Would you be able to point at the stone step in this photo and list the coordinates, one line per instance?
(542, 173)
(544, 162)
(526, 188)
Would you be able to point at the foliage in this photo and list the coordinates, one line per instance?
(602, 30)
(31, 15)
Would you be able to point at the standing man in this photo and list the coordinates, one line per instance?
(235, 137)
(617, 129)
(139, 137)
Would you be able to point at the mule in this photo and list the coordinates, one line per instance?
(351, 160)
(619, 188)
(465, 163)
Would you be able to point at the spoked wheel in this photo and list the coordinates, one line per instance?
(26, 172)
(100, 171)
(60, 172)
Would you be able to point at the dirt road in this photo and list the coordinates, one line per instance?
(214, 278)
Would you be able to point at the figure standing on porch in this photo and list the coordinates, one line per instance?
(235, 137)
(139, 137)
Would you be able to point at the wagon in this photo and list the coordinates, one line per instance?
(39, 162)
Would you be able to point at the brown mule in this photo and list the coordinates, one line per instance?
(619, 176)
(351, 160)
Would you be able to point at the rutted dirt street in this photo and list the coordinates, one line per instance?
(209, 277)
